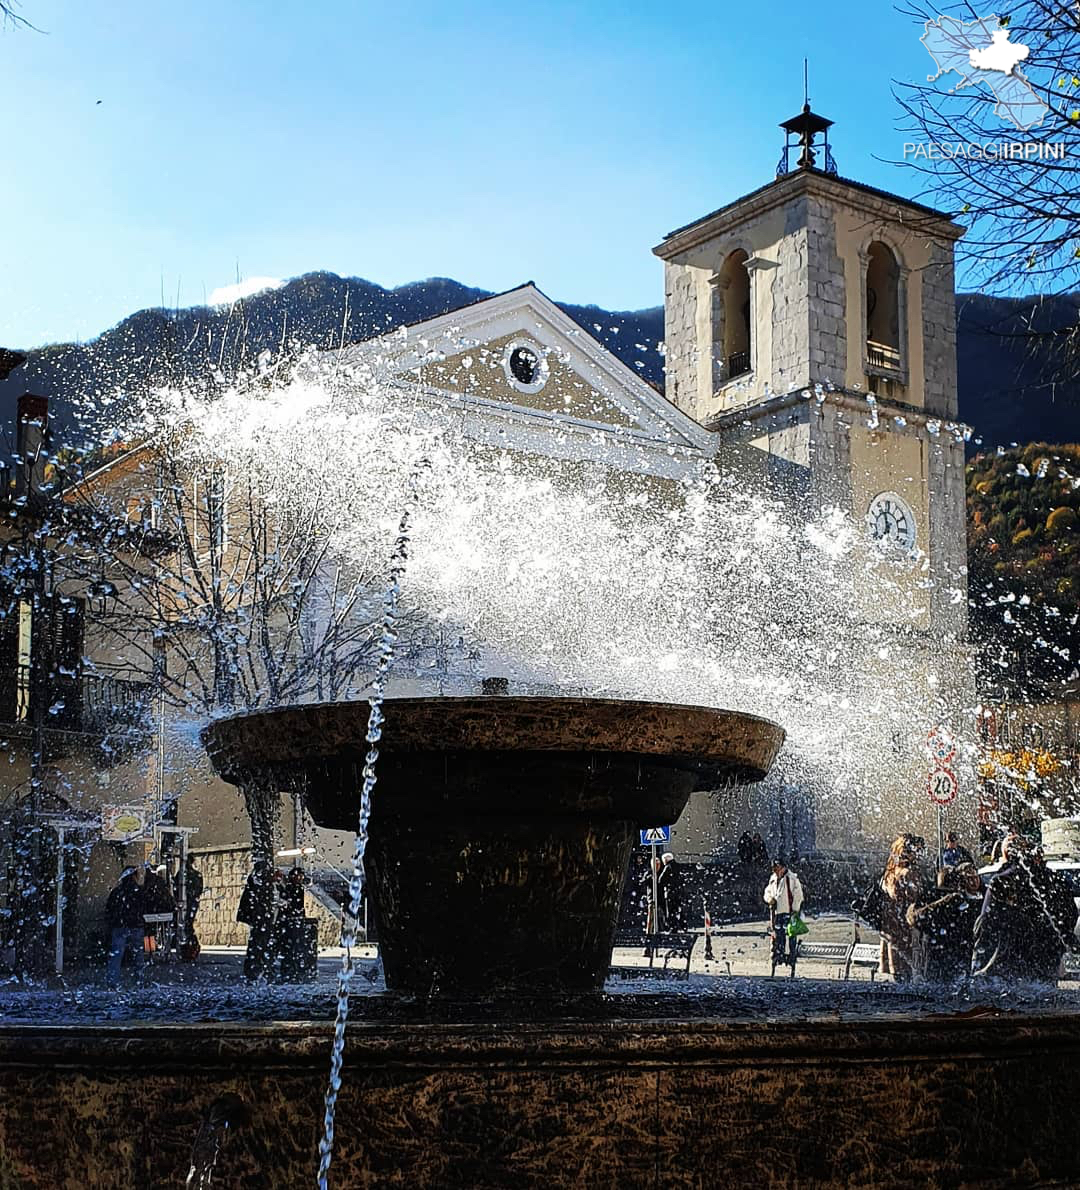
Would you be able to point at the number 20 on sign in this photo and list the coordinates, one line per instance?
(942, 786)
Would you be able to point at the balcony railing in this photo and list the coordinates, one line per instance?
(738, 363)
(111, 703)
(882, 355)
(90, 704)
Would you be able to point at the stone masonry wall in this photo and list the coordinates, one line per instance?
(790, 303)
(224, 871)
(825, 287)
(680, 337)
(939, 332)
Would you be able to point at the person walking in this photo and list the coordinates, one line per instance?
(124, 911)
(258, 911)
(784, 896)
(1027, 921)
(943, 928)
(669, 889)
(905, 886)
(193, 886)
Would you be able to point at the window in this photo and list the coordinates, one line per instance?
(525, 366)
(737, 331)
(883, 309)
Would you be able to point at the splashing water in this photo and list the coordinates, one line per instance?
(387, 645)
(222, 1114)
(600, 578)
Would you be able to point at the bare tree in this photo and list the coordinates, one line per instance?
(10, 17)
(229, 593)
(230, 597)
(1023, 211)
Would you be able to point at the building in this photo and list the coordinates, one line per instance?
(73, 727)
(811, 326)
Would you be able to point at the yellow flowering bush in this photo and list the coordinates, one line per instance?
(1025, 766)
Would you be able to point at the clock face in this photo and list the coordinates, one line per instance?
(891, 522)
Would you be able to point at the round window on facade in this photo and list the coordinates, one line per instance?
(525, 366)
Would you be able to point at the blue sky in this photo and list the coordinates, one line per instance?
(490, 142)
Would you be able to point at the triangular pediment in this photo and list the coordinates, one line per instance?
(519, 358)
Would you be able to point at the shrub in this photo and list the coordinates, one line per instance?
(1022, 536)
(1061, 520)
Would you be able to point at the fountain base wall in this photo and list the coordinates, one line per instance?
(880, 1102)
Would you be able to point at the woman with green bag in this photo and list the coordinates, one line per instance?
(784, 896)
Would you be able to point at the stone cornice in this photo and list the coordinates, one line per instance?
(855, 402)
(803, 183)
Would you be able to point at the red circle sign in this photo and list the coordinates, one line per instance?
(940, 745)
(942, 786)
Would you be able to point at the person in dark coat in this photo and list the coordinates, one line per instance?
(1027, 919)
(291, 923)
(193, 886)
(759, 853)
(670, 891)
(746, 849)
(124, 911)
(258, 910)
(156, 899)
(943, 927)
(955, 852)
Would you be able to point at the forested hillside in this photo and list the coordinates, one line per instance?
(1024, 560)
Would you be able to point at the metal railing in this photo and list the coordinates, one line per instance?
(94, 704)
(881, 355)
(112, 703)
(737, 364)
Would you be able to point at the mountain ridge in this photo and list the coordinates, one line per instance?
(1010, 390)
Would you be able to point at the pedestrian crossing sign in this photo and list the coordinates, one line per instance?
(655, 834)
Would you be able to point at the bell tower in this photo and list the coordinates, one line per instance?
(811, 324)
(814, 320)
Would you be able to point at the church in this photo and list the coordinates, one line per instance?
(810, 346)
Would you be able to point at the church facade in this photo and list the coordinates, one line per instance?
(810, 347)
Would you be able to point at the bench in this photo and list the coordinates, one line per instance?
(672, 944)
(843, 954)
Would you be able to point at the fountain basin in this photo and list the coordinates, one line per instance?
(885, 1102)
(501, 827)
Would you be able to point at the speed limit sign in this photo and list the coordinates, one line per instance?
(942, 786)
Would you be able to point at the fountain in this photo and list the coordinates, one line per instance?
(501, 833)
(498, 842)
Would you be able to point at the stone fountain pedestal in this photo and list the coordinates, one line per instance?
(501, 828)
(500, 831)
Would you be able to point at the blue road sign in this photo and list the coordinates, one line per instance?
(655, 834)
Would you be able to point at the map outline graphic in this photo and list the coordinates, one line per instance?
(954, 45)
